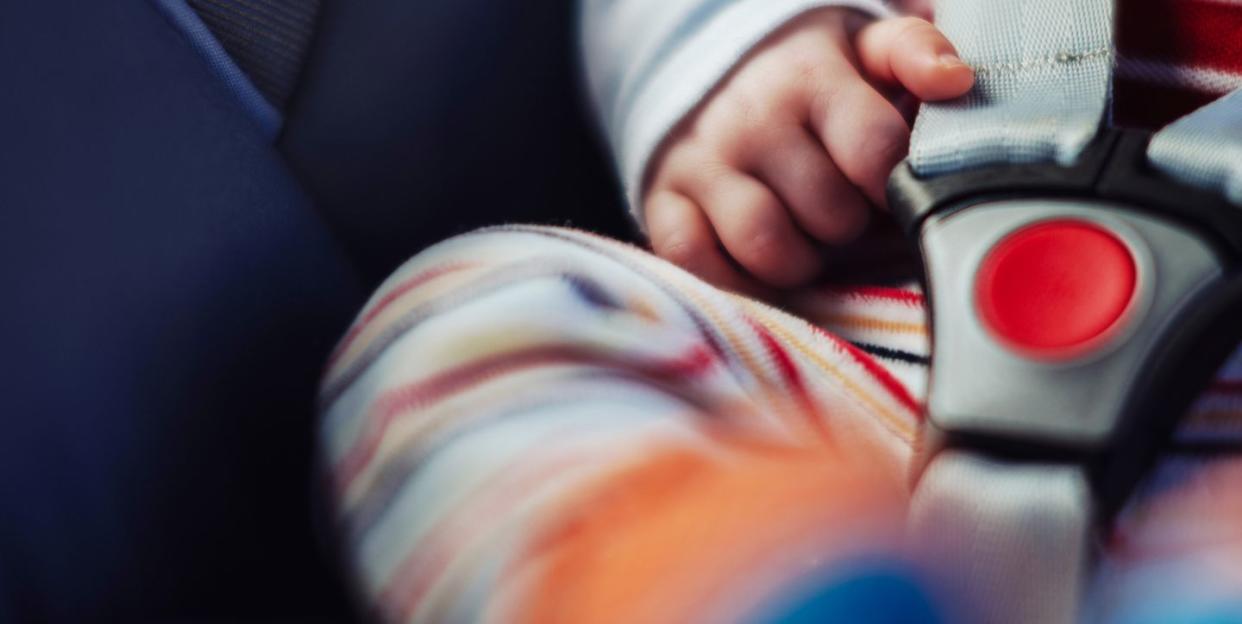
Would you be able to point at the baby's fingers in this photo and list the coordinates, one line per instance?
(757, 231)
(823, 202)
(915, 54)
(681, 234)
(865, 134)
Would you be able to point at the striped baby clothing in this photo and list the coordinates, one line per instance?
(540, 425)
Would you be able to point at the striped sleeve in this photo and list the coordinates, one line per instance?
(649, 62)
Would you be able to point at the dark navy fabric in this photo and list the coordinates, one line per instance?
(223, 64)
(417, 120)
(267, 38)
(169, 294)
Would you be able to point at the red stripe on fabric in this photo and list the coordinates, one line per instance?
(784, 363)
(1197, 33)
(387, 300)
(879, 373)
(1143, 105)
(424, 393)
(881, 292)
(792, 378)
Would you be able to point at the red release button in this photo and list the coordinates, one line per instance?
(1056, 289)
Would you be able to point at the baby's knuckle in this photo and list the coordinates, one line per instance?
(683, 249)
(826, 96)
(909, 25)
(885, 142)
(762, 247)
(729, 105)
(710, 171)
(848, 223)
(757, 237)
(769, 255)
(805, 64)
(808, 170)
(756, 106)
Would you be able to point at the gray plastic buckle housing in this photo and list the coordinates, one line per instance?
(981, 386)
(1112, 409)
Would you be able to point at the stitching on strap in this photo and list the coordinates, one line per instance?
(1060, 58)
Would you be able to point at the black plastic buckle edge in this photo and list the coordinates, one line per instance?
(1114, 168)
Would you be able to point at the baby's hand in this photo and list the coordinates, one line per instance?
(794, 147)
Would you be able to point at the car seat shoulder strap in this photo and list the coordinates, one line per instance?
(1043, 74)
(1078, 277)
(1204, 148)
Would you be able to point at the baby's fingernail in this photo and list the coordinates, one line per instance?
(951, 61)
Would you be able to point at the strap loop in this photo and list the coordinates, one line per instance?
(1012, 538)
(1043, 80)
(1014, 535)
(1204, 148)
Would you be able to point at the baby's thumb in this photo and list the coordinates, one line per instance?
(912, 53)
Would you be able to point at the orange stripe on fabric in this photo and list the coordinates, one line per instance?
(866, 322)
(903, 427)
(880, 292)
(879, 373)
(671, 539)
(793, 379)
(744, 354)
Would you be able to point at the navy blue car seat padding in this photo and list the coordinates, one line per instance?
(168, 297)
(417, 120)
(223, 65)
(268, 39)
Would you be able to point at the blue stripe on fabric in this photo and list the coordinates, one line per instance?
(235, 80)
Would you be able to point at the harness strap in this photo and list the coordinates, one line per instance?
(1204, 148)
(1043, 79)
(1013, 536)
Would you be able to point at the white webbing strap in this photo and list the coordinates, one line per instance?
(1204, 148)
(1010, 539)
(1043, 79)
(1013, 540)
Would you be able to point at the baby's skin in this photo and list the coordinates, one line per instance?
(793, 150)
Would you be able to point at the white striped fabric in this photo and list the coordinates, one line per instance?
(504, 385)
